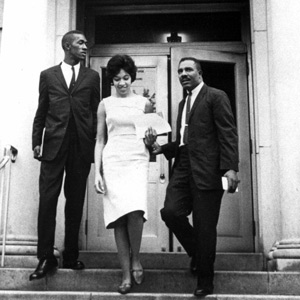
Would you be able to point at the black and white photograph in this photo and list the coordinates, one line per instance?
(149, 149)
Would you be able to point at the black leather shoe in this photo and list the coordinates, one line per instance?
(45, 266)
(193, 265)
(74, 265)
(201, 292)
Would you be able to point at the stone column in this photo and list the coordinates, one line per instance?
(284, 61)
(28, 46)
(268, 202)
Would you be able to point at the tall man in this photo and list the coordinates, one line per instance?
(206, 148)
(63, 136)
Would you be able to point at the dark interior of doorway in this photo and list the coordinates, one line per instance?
(221, 76)
(154, 28)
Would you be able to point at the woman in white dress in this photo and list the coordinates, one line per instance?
(121, 166)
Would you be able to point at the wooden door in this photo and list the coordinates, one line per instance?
(152, 82)
(226, 71)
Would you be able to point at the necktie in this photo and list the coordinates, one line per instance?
(72, 83)
(187, 114)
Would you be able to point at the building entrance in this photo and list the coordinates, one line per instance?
(157, 80)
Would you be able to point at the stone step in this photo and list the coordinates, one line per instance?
(157, 281)
(109, 260)
(224, 261)
(13, 295)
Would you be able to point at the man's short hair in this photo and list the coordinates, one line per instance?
(69, 36)
(196, 61)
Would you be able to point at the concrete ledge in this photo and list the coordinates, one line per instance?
(20, 261)
(157, 281)
(166, 281)
(12, 295)
(168, 261)
(224, 261)
(18, 279)
(284, 264)
(233, 282)
(285, 283)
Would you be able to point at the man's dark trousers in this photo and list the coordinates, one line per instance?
(71, 161)
(182, 198)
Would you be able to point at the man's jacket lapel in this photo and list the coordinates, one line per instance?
(59, 74)
(198, 99)
(80, 77)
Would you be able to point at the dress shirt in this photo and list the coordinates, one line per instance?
(194, 95)
(67, 72)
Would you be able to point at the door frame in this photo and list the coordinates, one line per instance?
(235, 47)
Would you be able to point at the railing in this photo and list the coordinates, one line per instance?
(10, 156)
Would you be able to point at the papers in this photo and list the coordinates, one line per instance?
(225, 184)
(143, 122)
(42, 143)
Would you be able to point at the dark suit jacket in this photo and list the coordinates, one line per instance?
(212, 138)
(55, 104)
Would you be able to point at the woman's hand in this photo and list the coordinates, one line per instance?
(150, 137)
(99, 184)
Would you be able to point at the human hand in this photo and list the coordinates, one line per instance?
(156, 148)
(150, 136)
(233, 180)
(99, 184)
(37, 152)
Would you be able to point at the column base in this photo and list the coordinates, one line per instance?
(285, 256)
(21, 252)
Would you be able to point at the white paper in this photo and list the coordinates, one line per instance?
(143, 122)
(42, 143)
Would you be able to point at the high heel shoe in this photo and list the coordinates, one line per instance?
(138, 276)
(124, 288)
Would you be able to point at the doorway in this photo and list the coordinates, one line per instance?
(224, 70)
(227, 71)
(151, 82)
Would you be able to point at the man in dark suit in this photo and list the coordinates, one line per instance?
(63, 136)
(206, 148)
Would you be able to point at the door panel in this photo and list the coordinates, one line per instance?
(225, 71)
(151, 82)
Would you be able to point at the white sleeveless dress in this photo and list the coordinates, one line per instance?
(125, 160)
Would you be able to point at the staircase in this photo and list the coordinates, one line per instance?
(238, 277)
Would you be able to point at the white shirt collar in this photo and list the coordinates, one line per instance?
(197, 89)
(66, 67)
(194, 94)
(67, 71)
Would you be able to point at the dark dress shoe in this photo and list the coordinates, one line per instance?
(193, 265)
(45, 266)
(74, 265)
(201, 292)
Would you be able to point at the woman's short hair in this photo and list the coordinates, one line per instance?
(118, 62)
